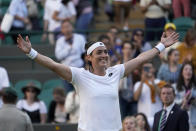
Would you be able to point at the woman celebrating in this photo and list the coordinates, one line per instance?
(97, 86)
(35, 108)
(186, 91)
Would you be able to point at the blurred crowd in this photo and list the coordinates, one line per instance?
(139, 93)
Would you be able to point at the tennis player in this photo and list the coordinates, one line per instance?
(97, 86)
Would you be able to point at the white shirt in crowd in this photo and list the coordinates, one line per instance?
(4, 81)
(40, 105)
(99, 103)
(49, 8)
(70, 54)
(66, 11)
(145, 104)
(155, 11)
(72, 105)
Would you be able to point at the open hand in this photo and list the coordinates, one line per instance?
(169, 40)
(24, 46)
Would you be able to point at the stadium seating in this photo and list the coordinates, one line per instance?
(182, 25)
(47, 90)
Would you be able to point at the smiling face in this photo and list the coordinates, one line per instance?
(129, 124)
(140, 121)
(187, 72)
(99, 57)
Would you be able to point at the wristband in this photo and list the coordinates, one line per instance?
(160, 47)
(32, 54)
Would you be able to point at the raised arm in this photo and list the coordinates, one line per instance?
(148, 55)
(62, 70)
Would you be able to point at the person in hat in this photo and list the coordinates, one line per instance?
(11, 118)
(169, 28)
(97, 85)
(35, 108)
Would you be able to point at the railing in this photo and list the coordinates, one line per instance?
(55, 127)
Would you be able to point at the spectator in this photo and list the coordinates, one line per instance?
(84, 14)
(155, 17)
(12, 119)
(69, 49)
(35, 108)
(4, 81)
(119, 7)
(65, 11)
(171, 117)
(169, 72)
(115, 39)
(18, 9)
(57, 112)
(169, 28)
(33, 14)
(139, 43)
(142, 122)
(186, 91)
(114, 56)
(72, 106)
(181, 8)
(187, 49)
(129, 124)
(127, 104)
(146, 92)
(50, 24)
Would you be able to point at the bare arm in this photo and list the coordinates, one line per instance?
(62, 70)
(148, 55)
(43, 118)
(138, 92)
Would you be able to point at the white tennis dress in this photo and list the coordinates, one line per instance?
(99, 104)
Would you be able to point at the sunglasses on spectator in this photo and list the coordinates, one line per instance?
(30, 90)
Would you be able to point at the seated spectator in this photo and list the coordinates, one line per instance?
(72, 105)
(57, 112)
(181, 8)
(146, 92)
(169, 28)
(169, 71)
(129, 124)
(138, 41)
(69, 49)
(142, 122)
(4, 81)
(187, 49)
(11, 118)
(185, 90)
(30, 104)
(155, 17)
